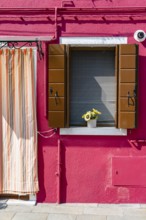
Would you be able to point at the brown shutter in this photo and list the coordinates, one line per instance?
(127, 86)
(56, 86)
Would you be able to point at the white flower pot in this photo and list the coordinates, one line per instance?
(91, 123)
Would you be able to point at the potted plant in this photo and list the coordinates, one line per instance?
(91, 117)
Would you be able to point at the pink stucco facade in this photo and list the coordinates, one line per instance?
(86, 161)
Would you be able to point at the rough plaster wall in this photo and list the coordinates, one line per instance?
(86, 161)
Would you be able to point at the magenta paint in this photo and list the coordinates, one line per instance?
(86, 161)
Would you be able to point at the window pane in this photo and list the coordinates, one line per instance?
(93, 85)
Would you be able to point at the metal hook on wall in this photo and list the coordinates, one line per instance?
(39, 49)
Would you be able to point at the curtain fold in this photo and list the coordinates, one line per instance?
(18, 128)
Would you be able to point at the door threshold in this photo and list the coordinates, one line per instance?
(12, 201)
(20, 202)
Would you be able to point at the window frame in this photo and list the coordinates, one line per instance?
(90, 48)
(79, 130)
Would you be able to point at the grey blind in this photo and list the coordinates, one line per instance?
(92, 85)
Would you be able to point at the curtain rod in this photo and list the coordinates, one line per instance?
(13, 42)
(15, 45)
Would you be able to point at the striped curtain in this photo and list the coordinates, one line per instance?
(18, 128)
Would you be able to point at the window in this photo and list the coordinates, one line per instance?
(92, 84)
(84, 77)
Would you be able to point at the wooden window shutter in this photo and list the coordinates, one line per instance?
(56, 85)
(127, 86)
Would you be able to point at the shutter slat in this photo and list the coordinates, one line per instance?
(124, 105)
(127, 86)
(56, 107)
(56, 75)
(127, 119)
(56, 61)
(127, 62)
(56, 86)
(56, 119)
(59, 87)
(127, 75)
(128, 49)
(56, 49)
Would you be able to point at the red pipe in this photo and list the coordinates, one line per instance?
(45, 81)
(58, 173)
(56, 29)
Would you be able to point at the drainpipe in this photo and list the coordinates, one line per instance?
(58, 173)
(45, 82)
(56, 29)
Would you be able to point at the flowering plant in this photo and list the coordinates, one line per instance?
(93, 114)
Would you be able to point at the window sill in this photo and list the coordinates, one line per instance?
(111, 131)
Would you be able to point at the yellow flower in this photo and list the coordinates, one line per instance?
(96, 111)
(93, 114)
(83, 116)
(87, 116)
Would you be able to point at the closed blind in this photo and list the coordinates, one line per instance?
(92, 85)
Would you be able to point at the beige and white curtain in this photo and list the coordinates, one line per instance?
(18, 129)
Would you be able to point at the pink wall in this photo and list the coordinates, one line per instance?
(86, 164)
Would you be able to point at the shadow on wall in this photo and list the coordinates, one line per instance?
(139, 133)
(137, 144)
(47, 167)
(94, 1)
(101, 21)
(144, 44)
(63, 180)
(28, 26)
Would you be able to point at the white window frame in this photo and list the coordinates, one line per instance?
(100, 41)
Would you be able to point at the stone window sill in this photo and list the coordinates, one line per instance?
(109, 131)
